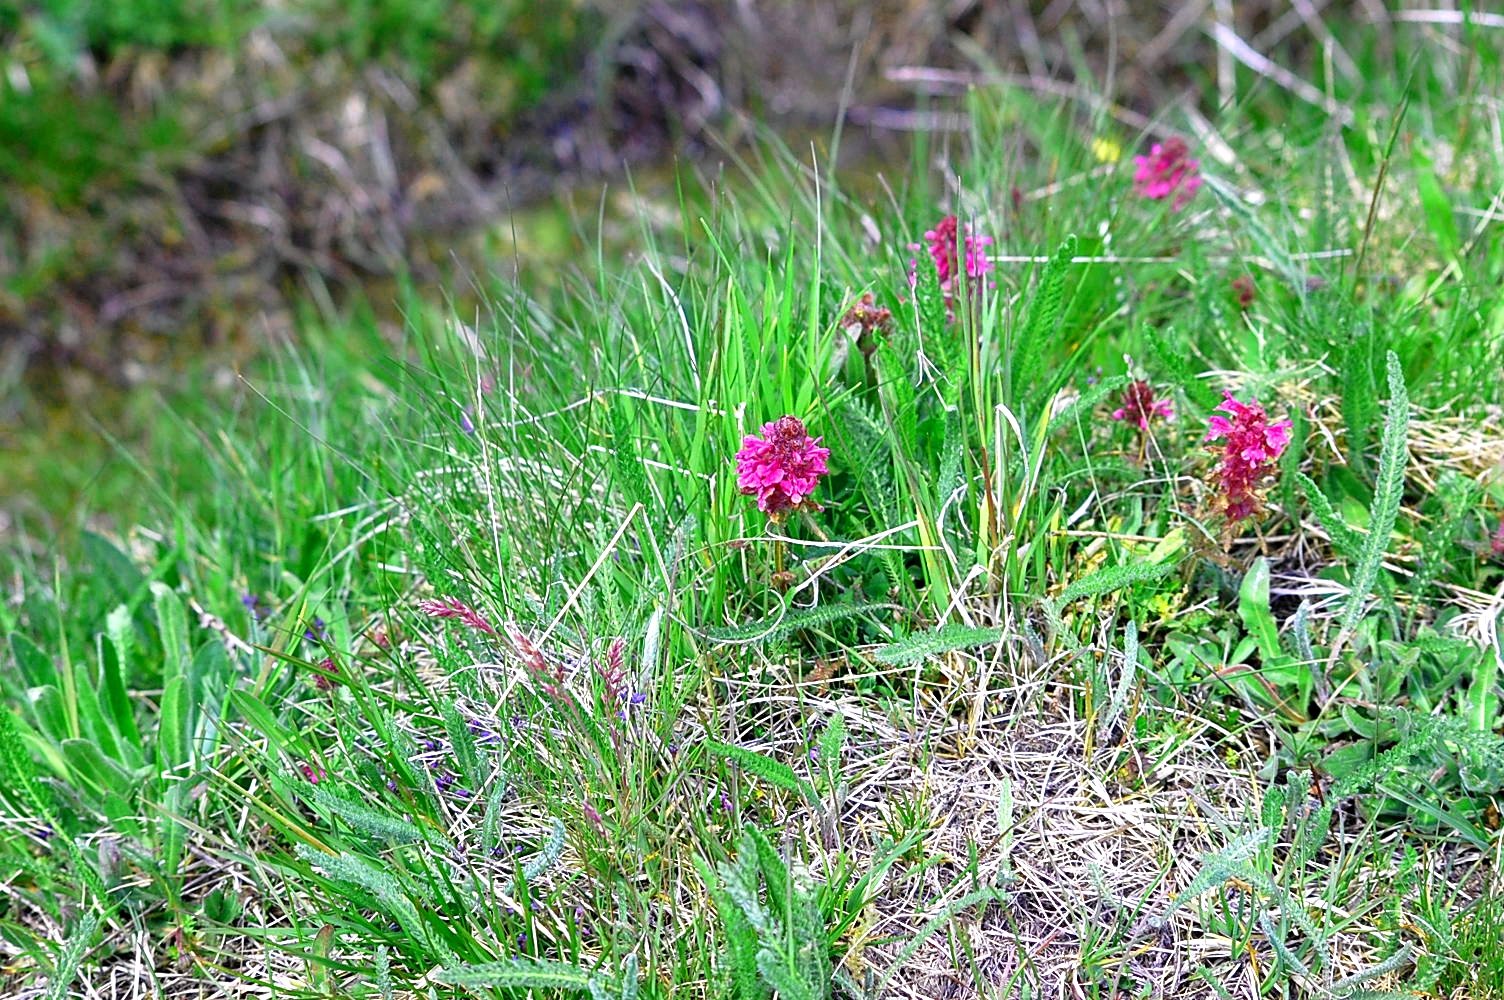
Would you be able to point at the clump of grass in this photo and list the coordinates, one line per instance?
(484, 674)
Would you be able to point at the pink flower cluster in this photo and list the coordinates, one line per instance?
(955, 251)
(1498, 542)
(781, 468)
(1252, 446)
(1168, 170)
(1140, 406)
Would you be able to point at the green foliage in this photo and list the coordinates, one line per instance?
(520, 974)
(1114, 578)
(370, 821)
(149, 710)
(1387, 497)
(773, 922)
(1039, 328)
(774, 772)
(79, 941)
(786, 622)
(945, 639)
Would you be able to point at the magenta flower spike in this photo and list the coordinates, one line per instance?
(1140, 407)
(1252, 446)
(954, 249)
(782, 467)
(1168, 170)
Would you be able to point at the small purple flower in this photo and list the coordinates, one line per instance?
(466, 424)
(316, 630)
(253, 605)
(482, 735)
(634, 699)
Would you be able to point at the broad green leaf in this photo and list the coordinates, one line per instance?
(36, 666)
(172, 626)
(172, 726)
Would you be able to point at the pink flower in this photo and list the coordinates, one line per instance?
(453, 607)
(953, 250)
(1498, 542)
(312, 773)
(782, 468)
(1167, 170)
(1140, 406)
(1252, 447)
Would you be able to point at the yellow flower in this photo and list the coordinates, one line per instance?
(1106, 150)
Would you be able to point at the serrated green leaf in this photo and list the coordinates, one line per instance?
(779, 625)
(1105, 581)
(1386, 502)
(945, 639)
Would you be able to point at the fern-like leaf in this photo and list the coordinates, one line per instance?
(74, 949)
(1039, 328)
(1386, 502)
(518, 974)
(942, 640)
(1345, 540)
(774, 772)
(1105, 581)
(367, 820)
(1086, 402)
(779, 625)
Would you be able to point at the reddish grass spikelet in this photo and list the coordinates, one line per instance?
(955, 250)
(453, 607)
(613, 674)
(1251, 447)
(781, 468)
(550, 677)
(1168, 170)
(1140, 407)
